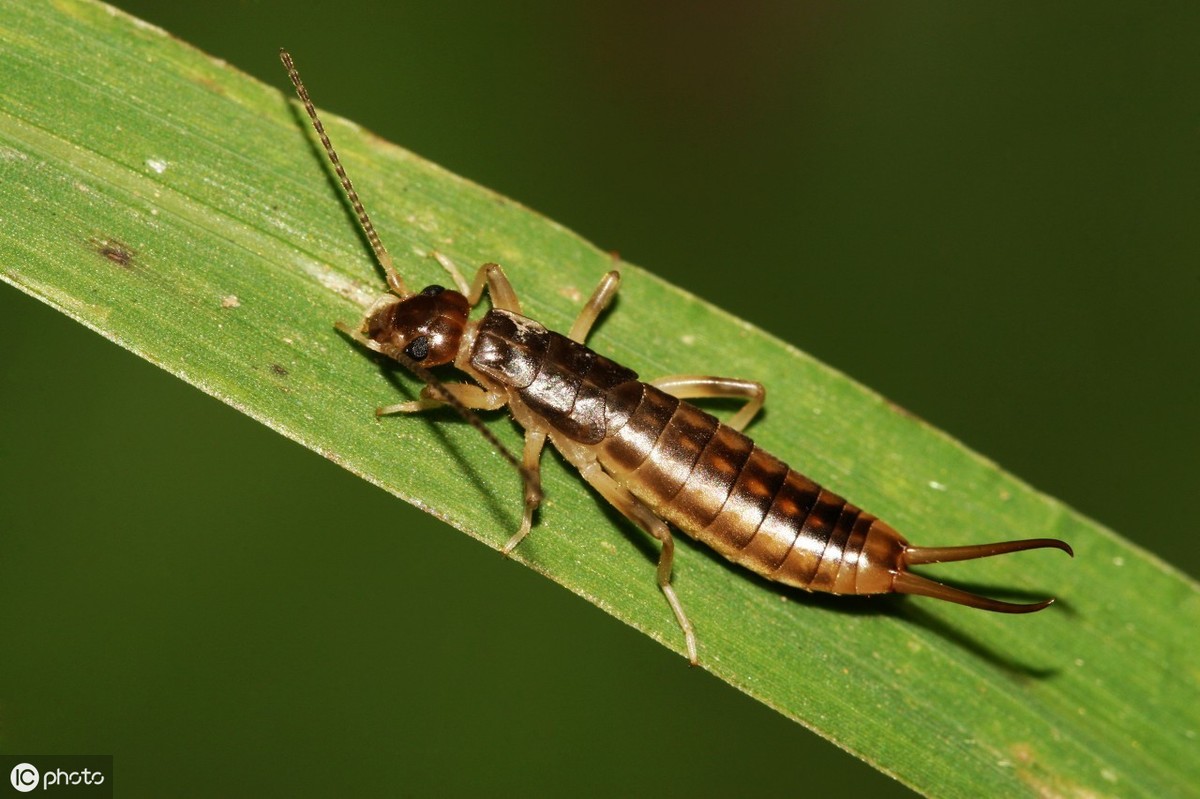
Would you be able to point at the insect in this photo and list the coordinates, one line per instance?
(647, 451)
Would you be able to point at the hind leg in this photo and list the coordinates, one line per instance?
(637, 512)
(640, 514)
(697, 386)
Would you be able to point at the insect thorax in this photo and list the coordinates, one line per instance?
(564, 382)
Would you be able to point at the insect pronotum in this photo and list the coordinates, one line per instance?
(655, 457)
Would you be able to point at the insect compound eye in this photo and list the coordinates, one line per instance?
(433, 291)
(418, 348)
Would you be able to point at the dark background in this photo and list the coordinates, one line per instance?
(986, 214)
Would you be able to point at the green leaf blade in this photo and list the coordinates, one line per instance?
(127, 206)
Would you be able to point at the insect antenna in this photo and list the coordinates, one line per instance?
(395, 282)
(533, 487)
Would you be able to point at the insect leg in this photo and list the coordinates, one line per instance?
(695, 386)
(468, 395)
(460, 282)
(357, 336)
(601, 297)
(490, 275)
(532, 462)
(503, 296)
(637, 512)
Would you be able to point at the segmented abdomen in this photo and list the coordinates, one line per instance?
(714, 484)
(704, 477)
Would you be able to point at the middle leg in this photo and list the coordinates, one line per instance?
(601, 297)
(532, 464)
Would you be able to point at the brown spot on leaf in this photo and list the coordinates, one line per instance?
(114, 250)
(279, 370)
(208, 84)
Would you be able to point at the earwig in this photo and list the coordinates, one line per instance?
(654, 456)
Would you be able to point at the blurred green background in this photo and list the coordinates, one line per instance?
(986, 214)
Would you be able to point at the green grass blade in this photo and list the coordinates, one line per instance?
(127, 205)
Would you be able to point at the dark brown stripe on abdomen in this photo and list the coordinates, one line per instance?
(628, 447)
(715, 485)
(759, 480)
(779, 533)
(711, 481)
(674, 455)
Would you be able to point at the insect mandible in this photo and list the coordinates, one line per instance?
(652, 455)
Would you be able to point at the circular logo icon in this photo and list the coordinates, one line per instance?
(24, 777)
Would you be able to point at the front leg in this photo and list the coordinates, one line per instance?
(468, 395)
(464, 398)
(490, 276)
